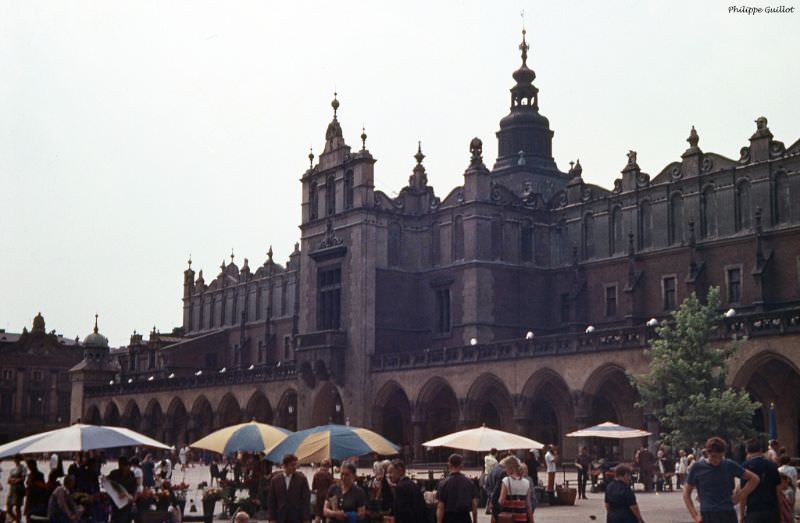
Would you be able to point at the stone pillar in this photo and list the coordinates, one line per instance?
(418, 437)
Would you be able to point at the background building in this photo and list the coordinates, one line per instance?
(519, 300)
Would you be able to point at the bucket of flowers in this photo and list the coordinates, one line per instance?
(210, 497)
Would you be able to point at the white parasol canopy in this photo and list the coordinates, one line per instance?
(608, 430)
(484, 439)
(78, 438)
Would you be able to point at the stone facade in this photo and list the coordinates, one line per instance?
(518, 300)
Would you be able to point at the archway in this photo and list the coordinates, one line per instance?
(391, 415)
(177, 420)
(132, 418)
(202, 419)
(258, 408)
(328, 406)
(111, 415)
(92, 416)
(772, 379)
(286, 415)
(154, 420)
(548, 408)
(438, 406)
(489, 403)
(229, 412)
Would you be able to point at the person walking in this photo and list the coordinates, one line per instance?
(646, 462)
(515, 493)
(713, 477)
(289, 497)
(60, 507)
(551, 459)
(322, 481)
(457, 496)
(16, 490)
(620, 501)
(584, 465)
(761, 506)
(148, 468)
(409, 505)
(681, 468)
(348, 501)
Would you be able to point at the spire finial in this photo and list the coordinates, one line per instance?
(694, 138)
(231, 255)
(524, 45)
(419, 156)
(310, 157)
(190, 260)
(363, 138)
(269, 253)
(95, 323)
(335, 105)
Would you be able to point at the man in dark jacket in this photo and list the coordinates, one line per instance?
(409, 505)
(289, 495)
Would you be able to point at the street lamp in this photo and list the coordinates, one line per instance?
(590, 329)
(473, 341)
(730, 313)
(652, 322)
(529, 335)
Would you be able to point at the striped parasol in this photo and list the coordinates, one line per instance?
(244, 437)
(332, 442)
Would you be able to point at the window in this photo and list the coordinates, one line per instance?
(348, 190)
(330, 195)
(668, 292)
(329, 281)
(8, 374)
(35, 404)
(676, 219)
(458, 238)
(497, 237)
(588, 235)
(565, 308)
(645, 224)
(151, 360)
(708, 213)
(6, 404)
(284, 295)
(261, 351)
(734, 277)
(393, 247)
(616, 231)
(611, 301)
(442, 311)
(783, 203)
(526, 241)
(313, 201)
(287, 347)
(436, 254)
(743, 212)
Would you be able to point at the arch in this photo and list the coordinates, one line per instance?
(258, 408)
(111, 415)
(391, 413)
(228, 412)
(438, 409)
(286, 414)
(645, 224)
(153, 422)
(175, 431)
(547, 407)
(676, 218)
(201, 420)
(490, 403)
(92, 416)
(708, 212)
(328, 406)
(767, 376)
(743, 207)
(132, 416)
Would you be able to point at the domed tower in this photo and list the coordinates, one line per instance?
(525, 154)
(95, 369)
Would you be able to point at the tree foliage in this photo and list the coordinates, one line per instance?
(685, 386)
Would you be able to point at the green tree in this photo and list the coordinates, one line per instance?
(685, 386)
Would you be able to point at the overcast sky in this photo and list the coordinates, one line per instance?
(135, 133)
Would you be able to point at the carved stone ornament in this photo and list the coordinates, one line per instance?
(330, 240)
(586, 195)
(562, 200)
(744, 155)
(643, 179)
(435, 202)
(476, 149)
(776, 149)
(675, 173)
(495, 192)
(460, 197)
(707, 165)
(617, 186)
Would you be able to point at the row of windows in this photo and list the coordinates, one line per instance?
(10, 374)
(330, 195)
(218, 310)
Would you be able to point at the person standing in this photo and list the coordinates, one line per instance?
(322, 481)
(761, 505)
(681, 468)
(646, 462)
(124, 477)
(347, 501)
(55, 465)
(16, 490)
(620, 501)
(409, 505)
(60, 507)
(148, 467)
(515, 493)
(457, 496)
(36, 495)
(713, 477)
(289, 497)
(584, 465)
(551, 459)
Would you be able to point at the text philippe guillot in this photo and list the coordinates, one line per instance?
(753, 10)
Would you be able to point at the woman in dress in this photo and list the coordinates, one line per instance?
(346, 502)
(515, 492)
(620, 500)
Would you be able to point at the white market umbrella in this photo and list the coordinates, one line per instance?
(484, 439)
(78, 438)
(608, 430)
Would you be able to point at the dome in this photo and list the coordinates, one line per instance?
(524, 75)
(95, 339)
(524, 116)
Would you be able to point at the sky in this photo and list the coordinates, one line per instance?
(134, 134)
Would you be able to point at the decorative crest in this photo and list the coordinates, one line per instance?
(476, 148)
(363, 139)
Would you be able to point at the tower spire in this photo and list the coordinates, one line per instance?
(95, 323)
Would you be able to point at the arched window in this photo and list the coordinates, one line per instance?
(458, 238)
(782, 198)
(526, 241)
(497, 237)
(588, 235)
(330, 195)
(313, 201)
(615, 234)
(348, 190)
(394, 244)
(676, 219)
(436, 255)
(645, 224)
(744, 213)
(708, 212)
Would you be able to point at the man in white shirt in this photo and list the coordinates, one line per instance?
(551, 459)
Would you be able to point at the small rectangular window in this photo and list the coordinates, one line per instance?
(8, 374)
(37, 375)
(442, 311)
(287, 347)
(734, 285)
(565, 308)
(329, 286)
(668, 292)
(611, 301)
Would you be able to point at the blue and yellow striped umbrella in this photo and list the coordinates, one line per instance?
(245, 437)
(332, 442)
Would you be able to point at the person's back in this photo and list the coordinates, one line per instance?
(457, 495)
(762, 503)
